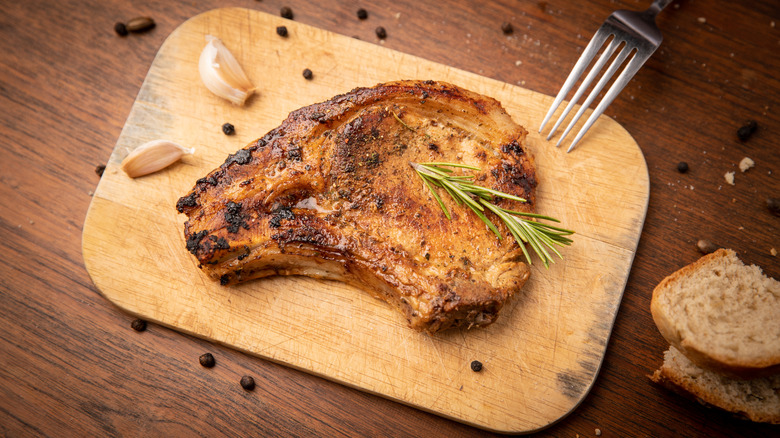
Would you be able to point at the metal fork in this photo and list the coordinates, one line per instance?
(639, 37)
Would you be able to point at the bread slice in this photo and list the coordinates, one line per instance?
(724, 316)
(755, 399)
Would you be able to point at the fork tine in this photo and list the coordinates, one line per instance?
(621, 57)
(625, 76)
(585, 84)
(590, 51)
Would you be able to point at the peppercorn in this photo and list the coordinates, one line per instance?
(476, 366)
(682, 167)
(507, 28)
(362, 14)
(99, 169)
(747, 130)
(706, 247)
(307, 73)
(138, 325)
(248, 383)
(228, 129)
(207, 360)
(286, 12)
(773, 204)
(281, 31)
(120, 29)
(140, 24)
(381, 32)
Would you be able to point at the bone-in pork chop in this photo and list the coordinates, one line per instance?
(330, 194)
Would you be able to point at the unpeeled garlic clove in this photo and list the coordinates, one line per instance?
(222, 74)
(153, 156)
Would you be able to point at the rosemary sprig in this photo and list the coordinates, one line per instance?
(541, 237)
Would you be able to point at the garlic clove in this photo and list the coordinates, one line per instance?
(222, 74)
(153, 156)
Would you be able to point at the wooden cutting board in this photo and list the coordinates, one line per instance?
(542, 355)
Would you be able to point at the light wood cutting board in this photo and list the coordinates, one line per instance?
(542, 355)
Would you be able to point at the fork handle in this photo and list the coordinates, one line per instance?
(658, 6)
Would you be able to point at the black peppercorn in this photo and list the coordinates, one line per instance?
(99, 169)
(507, 28)
(682, 167)
(307, 73)
(228, 129)
(286, 12)
(120, 29)
(773, 204)
(362, 14)
(476, 366)
(381, 32)
(281, 31)
(248, 383)
(138, 325)
(207, 360)
(744, 132)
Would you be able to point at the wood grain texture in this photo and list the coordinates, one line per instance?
(539, 360)
(71, 366)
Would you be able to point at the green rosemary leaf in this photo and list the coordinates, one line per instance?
(541, 237)
(496, 193)
(462, 195)
(436, 196)
(487, 222)
(402, 122)
(440, 164)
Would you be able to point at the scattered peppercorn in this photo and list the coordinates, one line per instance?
(207, 360)
(362, 14)
(286, 12)
(99, 169)
(744, 132)
(773, 204)
(281, 31)
(140, 24)
(476, 366)
(228, 129)
(120, 29)
(706, 247)
(138, 325)
(248, 383)
(507, 28)
(381, 32)
(307, 73)
(682, 167)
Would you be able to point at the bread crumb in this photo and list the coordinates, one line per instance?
(729, 177)
(701, 20)
(746, 164)
(597, 432)
(773, 252)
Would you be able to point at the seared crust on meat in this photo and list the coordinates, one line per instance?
(330, 194)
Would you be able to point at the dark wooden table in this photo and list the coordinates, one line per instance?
(70, 365)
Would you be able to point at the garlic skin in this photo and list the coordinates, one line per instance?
(222, 74)
(153, 156)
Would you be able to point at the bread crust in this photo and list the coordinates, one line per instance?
(735, 368)
(693, 388)
(670, 381)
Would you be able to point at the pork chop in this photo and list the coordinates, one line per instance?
(330, 194)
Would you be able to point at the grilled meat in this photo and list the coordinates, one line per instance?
(330, 194)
